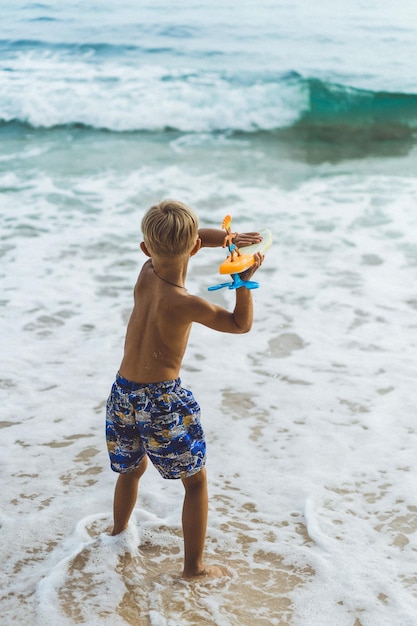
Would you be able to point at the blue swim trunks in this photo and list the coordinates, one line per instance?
(161, 420)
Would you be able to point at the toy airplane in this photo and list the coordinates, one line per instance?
(241, 259)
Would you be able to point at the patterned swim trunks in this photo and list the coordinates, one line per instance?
(161, 420)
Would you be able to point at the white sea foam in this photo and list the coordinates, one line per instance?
(123, 97)
(309, 418)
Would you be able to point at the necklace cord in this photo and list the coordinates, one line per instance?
(167, 281)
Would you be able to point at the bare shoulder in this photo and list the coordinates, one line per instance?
(196, 304)
(145, 273)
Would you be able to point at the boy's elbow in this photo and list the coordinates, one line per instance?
(242, 328)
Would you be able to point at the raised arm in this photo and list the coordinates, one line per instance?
(214, 238)
(218, 318)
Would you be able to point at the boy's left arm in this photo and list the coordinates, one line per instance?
(214, 238)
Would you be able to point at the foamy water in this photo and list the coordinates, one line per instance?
(309, 418)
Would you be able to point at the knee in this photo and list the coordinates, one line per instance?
(142, 466)
(196, 481)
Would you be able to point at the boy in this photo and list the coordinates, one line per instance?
(149, 414)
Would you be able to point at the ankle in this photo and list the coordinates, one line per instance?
(212, 571)
(193, 569)
(116, 530)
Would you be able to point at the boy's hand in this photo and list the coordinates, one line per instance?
(246, 239)
(247, 274)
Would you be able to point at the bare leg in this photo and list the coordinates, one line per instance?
(194, 525)
(125, 496)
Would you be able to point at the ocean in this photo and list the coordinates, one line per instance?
(290, 115)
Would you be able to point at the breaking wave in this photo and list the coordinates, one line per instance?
(90, 89)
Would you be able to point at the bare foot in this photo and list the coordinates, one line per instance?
(110, 531)
(211, 571)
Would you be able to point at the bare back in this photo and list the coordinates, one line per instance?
(157, 333)
(160, 323)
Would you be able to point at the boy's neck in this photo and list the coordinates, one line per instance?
(171, 270)
(167, 281)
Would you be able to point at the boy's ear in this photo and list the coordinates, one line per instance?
(144, 248)
(196, 247)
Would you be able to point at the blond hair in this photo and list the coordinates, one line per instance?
(170, 228)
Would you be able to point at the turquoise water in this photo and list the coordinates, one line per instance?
(293, 116)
